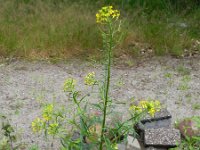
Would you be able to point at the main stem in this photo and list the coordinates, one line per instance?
(107, 83)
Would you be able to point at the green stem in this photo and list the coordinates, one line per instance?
(83, 126)
(11, 142)
(127, 130)
(130, 119)
(107, 83)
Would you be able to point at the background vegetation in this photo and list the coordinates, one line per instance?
(67, 28)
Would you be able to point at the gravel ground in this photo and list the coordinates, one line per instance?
(175, 82)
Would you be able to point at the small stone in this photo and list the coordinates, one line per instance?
(133, 143)
(183, 25)
(162, 137)
(121, 146)
(189, 127)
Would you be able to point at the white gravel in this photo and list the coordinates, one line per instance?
(175, 82)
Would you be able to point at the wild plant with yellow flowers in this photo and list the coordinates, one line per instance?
(93, 129)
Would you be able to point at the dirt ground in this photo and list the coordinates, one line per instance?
(175, 82)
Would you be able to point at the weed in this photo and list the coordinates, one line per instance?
(183, 87)
(33, 147)
(188, 97)
(129, 63)
(186, 78)
(9, 135)
(196, 106)
(17, 105)
(120, 82)
(168, 75)
(183, 70)
(93, 130)
(184, 83)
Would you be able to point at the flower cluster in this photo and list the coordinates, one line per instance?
(47, 112)
(90, 79)
(44, 123)
(37, 125)
(150, 106)
(106, 14)
(69, 85)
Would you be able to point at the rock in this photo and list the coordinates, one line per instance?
(161, 119)
(121, 146)
(155, 124)
(133, 143)
(183, 25)
(161, 137)
(189, 127)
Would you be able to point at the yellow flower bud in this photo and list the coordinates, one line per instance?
(90, 79)
(106, 14)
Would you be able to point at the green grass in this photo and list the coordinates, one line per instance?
(184, 85)
(182, 70)
(45, 32)
(33, 147)
(196, 106)
(66, 28)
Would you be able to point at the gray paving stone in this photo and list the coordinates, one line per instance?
(155, 124)
(162, 114)
(162, 120)
(162, 137)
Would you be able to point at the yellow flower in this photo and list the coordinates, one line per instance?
(152, 112)
(143, 104)
(46, 117)
(90, 79)
(97, 15)
(151, 107)
(37, 125)
(106, 14)
(47, 112)
(135, 109)
(69, 85)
